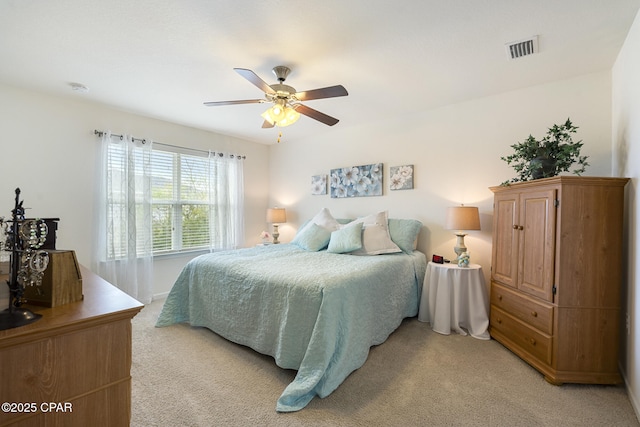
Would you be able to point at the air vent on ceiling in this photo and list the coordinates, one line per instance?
(522, 47)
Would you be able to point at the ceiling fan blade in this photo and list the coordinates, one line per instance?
(246, 101)
(325, 92)
(315, 114)
(266, 125)
(253, 78)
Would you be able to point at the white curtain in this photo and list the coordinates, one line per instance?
(227, 202)
(123, 253)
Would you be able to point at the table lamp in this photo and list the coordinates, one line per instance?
(462, 218)
(276, 216)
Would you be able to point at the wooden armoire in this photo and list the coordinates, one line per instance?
(556, 275)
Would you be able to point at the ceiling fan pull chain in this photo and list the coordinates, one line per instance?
(279, 136)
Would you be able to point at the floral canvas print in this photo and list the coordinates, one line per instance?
(319, 184)
(356, 181)
(401, 177)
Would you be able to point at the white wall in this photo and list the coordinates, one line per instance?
(456, 154)
(49, 151)
(626, 162)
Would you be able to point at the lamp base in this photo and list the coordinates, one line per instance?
(276, 234)
(460, 247)
(12, 318)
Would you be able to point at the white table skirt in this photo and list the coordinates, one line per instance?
(455, 298)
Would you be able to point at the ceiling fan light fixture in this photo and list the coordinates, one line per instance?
(273, 114)
(281, 115)
(290, 117)
(267, 117)
(287, 107)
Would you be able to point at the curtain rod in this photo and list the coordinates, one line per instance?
(144, 141)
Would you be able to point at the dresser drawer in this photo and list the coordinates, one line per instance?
(525, 337)
(529, 310)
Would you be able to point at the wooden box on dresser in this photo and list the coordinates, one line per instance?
(76, 357)
(556, 275)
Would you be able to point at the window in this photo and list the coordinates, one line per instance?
(195, 200)
(126, 212)
(181, 202)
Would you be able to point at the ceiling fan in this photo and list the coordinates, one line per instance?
(286, 100)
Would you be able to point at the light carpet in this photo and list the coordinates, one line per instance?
(184, 376)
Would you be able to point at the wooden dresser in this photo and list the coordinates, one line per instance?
(556, 275)
(77, 356)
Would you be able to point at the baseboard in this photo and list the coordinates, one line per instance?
(632, 397)
(161, 295)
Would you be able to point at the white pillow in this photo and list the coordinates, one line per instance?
(324, 219)
(381, 218)
(375, 235)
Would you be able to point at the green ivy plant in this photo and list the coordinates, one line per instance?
(556, 152)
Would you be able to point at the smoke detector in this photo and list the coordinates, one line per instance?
(78, 87)
(522, 48)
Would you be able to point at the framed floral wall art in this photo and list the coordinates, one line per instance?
(401, 177)
(356, 181)
(319, 185)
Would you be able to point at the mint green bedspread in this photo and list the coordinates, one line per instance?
(316, 312)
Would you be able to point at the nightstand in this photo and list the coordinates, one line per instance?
(455, 299)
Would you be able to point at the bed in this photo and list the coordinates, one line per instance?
(313, 310)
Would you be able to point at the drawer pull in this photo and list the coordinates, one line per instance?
(499, 297)
(515, 227)
(520, 227)
(532, 341)
(499, 320)
(534, 313)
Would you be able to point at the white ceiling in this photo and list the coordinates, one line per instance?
(164, 58)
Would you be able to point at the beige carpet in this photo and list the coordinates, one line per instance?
(184, 376)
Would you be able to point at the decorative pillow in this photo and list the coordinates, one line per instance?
(378, 218)
(375, 235)
(376, 241)
(341, 222)
(323, 219)
(312, 238)
(303, 226)
(404, 232)
(346, 239)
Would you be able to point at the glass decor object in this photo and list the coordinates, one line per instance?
(22, 238)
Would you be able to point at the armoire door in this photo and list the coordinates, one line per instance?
(536, 252)
(504, 262)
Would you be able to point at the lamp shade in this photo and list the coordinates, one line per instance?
(463, 218)
(276, 215)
